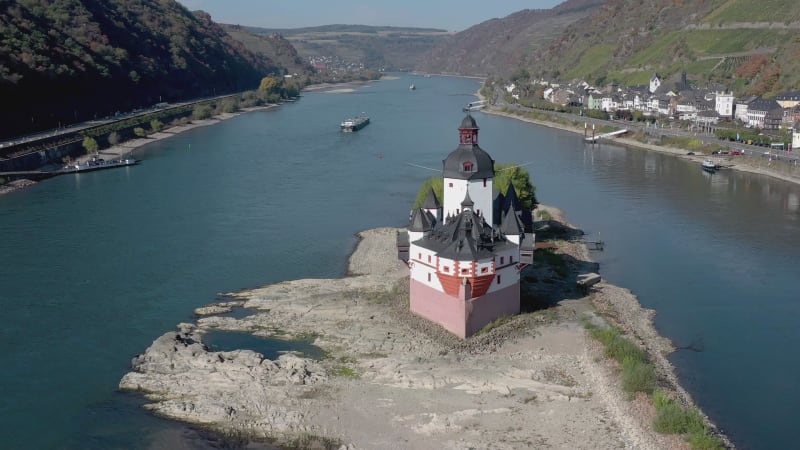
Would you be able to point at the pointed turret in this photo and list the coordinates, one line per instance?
(467, 203)
(511, 200)
(432, 205)
(512, 226)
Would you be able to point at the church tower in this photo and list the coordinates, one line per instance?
(464, 270)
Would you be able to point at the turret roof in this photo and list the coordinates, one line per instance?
(466, 237)
(421, 220)
(431, 202)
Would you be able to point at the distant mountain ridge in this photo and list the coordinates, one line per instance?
(374, 47)
(63, 61)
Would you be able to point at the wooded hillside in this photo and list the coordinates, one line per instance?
(63, 61)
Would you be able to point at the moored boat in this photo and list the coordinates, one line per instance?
(412, 87)
(98, 164)
(708, 165)
(355, 123)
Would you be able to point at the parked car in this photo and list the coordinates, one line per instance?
(735, 152)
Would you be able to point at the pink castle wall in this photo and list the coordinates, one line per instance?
(457, 316)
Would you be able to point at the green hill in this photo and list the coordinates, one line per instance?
(749, 46)
(63, 61)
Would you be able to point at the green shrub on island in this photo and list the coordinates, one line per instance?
(616, 346)
(638, 376)
(437, 183)
(672, 418)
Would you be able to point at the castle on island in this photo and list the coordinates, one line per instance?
(465, 253)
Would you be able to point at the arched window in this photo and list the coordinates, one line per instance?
(468, 166)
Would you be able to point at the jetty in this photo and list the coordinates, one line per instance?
(596, 137)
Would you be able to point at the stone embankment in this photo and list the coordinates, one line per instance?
(392, 380)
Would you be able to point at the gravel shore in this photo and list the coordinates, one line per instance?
(392, 380)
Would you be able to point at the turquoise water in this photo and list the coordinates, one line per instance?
(97, 265)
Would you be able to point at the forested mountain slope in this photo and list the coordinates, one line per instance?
(273, 46)
(501, 46)
(63, 61)
(748, 46)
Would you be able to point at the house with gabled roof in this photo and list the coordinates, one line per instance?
(655, 83)
(788, 99)
(757, 112)
(742, 107)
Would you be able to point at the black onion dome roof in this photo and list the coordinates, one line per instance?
(468, 156)
(469, 123)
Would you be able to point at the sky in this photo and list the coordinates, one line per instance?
(451, 15)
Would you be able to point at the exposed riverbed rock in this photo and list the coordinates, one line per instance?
(392, 380)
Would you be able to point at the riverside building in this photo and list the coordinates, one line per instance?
(466, 253)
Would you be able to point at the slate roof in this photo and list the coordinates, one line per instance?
(421, 220)
(512, 224)
(431, 202)
(466, 237)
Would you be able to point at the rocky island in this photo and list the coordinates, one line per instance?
(389, 379)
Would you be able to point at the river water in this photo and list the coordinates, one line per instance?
(97, 265)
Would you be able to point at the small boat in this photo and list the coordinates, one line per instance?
(709, 166)
(98, 164)
(412, 87)
(355, 123)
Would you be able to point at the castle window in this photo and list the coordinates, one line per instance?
(429, 276)
(511, 259)
(502, 259)
(429, 258)
(420, 257)
(484, 182)
(446, 269)
(484, 270)
(468, 166)
(450, 184)
(498, 278)
(464, 270)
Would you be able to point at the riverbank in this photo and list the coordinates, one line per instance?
(127, 148)
(743, 164)
(391, 379)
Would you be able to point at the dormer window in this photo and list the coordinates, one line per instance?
(468, 166)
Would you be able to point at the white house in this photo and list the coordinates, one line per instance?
(655, 82)
(723, 104)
